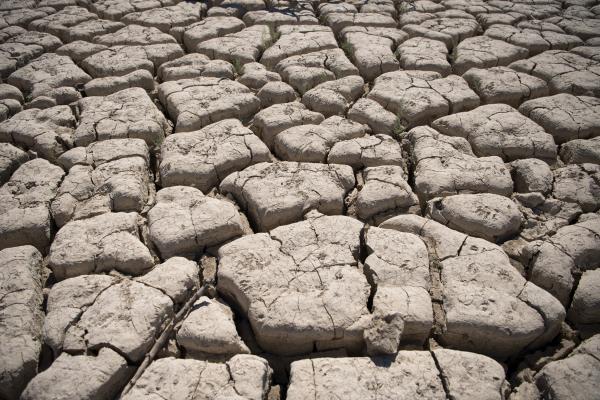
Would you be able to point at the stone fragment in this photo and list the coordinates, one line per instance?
(308, 186)
(195, 103)
(210, 329)
(564, 116)
(564, 71)
(383, 335)
(299, 285)
(81, 376)
(504, 85)
(21, 318)
(66, 302)
(499, 130)
(112, 242)
(184, 221)
(9, 92)
(446, 165)
(25, 205)
(244, 376)
(419, 97)
(203, 158)
(129, 113)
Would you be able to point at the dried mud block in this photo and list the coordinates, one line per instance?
(299, 285)
(184, 221)
(243, 376)
(408, 374)
(564, 116)
(21, 318)
(196, 103)
(499, 130)
(419, 97)
(129, 113)
(25, 205)
(308, 186)
(446, 165)
(488, 307)
(112, 175)
(203, 158)
(564, 71)
(48, 132)
(81, 376)
(112, 242)
(504, 85)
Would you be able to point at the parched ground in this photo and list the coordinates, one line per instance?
(270, 200)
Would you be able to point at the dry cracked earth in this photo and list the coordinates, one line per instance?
(248, 199)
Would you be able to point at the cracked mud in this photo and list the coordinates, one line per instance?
(300, 199)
